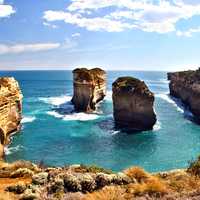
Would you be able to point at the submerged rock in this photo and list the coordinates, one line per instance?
(89, 88)
(10, 109)
(185, 85)
(133, 104)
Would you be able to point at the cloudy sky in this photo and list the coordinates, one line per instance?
(114, 34)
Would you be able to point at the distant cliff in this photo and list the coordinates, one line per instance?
(186, 86)
(133, 104)
(10, 109)
(89, 88)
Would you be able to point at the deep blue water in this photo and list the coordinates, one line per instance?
(55, 136)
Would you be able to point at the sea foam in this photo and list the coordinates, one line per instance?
(168, 99)
(10, 150)
(27, 119)
(74, 116)
(56, 101)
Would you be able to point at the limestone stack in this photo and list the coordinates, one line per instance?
(10, 109)
(133, 104)
(89, 88)
(185, 85)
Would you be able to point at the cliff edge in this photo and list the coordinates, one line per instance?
(186, 86)
(10, 109)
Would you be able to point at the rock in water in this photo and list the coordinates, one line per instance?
(133, 104)
(186, 86)
(89, 88)
(10, 109)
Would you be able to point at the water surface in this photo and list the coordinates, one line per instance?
(54, 135)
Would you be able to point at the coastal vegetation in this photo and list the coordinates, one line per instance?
(25, 180)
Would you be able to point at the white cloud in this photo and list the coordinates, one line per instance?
(159, 16)
(188, 33)
(50, 25)
(76, 35)
(5, 10)
(21, 48)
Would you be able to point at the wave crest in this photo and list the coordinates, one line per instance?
(10, 150)
(27, 119)
(56, 101)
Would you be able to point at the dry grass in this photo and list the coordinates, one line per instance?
(138, 173)
(182, 182)
(153, 186)
(107, 193)
(5, 182)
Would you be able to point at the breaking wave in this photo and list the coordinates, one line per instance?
(73, 116)
(56, 101)
(10, 150)
(167, 98)
(28, 119)
(157, 126)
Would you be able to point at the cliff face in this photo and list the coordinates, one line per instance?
(133, 104)
(89, 88)
(186, 86)
(10, 108)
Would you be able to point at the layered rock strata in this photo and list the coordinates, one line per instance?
(89, 88)
(186, 86)
(10, 109)
(133, 104)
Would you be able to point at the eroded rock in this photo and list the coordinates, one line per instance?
(185, 85)
(10, 109)
(89, 88)
(133, 104)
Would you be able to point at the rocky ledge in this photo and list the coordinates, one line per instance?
(89, 88)
(186, 86)
(133, 104)
(23, 180)
(10, 109)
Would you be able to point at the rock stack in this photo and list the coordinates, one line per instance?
(133, 104)
(185, 85)
(89, 88)
(10, 109)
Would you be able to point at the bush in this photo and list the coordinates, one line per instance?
(137, 173)
(153, 186)
(194, 167)
(107, 193)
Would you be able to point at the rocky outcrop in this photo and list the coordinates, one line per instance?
(133, 104)
(10, 109)
(186, 86)
(89, 88)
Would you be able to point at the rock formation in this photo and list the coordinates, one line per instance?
(89, 88)
(10, 109)
(133, 104)
(186, 86)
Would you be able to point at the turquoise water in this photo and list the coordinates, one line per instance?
(55, 136)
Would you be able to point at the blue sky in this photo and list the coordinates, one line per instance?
(113, 34)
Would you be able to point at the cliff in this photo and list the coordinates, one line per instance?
(133, 104)
(186, 86)
(89, 88)
(10, 109)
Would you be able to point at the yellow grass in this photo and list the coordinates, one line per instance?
(138, 173)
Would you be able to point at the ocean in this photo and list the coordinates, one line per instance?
(52, 134)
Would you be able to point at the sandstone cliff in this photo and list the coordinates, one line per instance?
(89, 88)
(133, 104)
(186, 86)
(10, 109)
